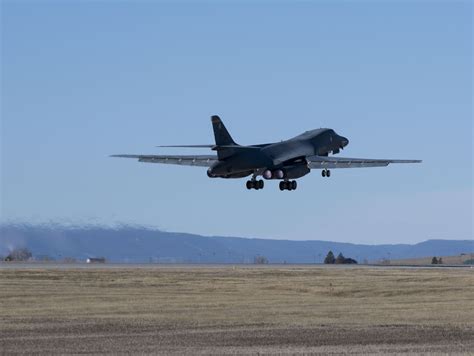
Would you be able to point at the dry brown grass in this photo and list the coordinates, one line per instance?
(423, 261)
(307, 309)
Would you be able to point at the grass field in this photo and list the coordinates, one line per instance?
(424, 261)
(236, 310)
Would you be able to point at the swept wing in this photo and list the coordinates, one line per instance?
(318, 162)
(200, 160)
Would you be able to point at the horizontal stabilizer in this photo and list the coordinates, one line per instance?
(237, 147)
(213, 147)
(187, 146)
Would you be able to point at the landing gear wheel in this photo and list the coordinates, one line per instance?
(323, 173)
(255, 184)
(288, 185)
(294, 185)
(328, 173)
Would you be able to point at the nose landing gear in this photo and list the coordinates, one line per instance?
(326, 173)
(288, 185)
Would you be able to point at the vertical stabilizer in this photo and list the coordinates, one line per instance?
(221, 134)
(223, 138)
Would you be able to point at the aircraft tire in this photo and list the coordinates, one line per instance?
(282, 185)
(294, 185)
(328, 173)
(249, 185)
(323, 173)
(261, 184)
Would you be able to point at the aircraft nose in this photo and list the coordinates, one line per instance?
(344, 142)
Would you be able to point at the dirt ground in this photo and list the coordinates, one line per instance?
(236, 310)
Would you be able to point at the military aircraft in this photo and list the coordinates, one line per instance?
(285, 161)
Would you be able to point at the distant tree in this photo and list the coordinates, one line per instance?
(19, 254)
(434, 261)
(440, 261)
(340, 259)
(349, 261)
(329, 258)
(260, 260)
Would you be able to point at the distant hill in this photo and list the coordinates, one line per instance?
(138, 244)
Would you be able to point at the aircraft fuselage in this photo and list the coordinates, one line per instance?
(285, 156)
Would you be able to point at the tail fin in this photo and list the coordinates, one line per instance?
(222, 137)
(221, 134)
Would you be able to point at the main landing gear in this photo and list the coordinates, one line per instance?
(288, 185)
(255, 184)
(284, 185)
(326, 173)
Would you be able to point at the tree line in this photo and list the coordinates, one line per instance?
(339, 260)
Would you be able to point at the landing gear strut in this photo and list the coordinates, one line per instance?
(288, 185)
(255, 184)
(326, 173)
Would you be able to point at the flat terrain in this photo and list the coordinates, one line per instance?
(426, 261)
(236, 310)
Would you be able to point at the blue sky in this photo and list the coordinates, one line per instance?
(88, 79)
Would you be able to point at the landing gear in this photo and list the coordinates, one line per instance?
(326, 173)
(255, 184)
(288, 185)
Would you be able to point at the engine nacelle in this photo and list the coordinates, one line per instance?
(276, 174)
(294, 172)
(267, 174)
(210, 174)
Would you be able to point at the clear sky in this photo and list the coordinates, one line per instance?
(84, 80)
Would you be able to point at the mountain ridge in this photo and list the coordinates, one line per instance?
(125, 243)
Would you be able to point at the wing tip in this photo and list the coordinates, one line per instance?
(124, 156)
